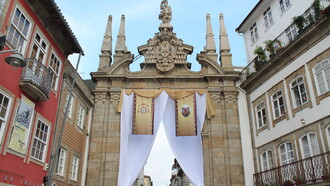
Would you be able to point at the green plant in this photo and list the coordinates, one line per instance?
(299, 21)
(270, 46)
(317, 7)
(259, 51)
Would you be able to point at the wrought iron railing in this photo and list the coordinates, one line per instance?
(309, 170)
(37, 74)
(284, 39)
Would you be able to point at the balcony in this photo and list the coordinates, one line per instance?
(314, 170)
(36, 80)
(275, 47)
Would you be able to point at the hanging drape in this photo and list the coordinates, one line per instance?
(187, 149)
(135, 149)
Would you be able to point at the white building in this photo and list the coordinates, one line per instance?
(284, 100)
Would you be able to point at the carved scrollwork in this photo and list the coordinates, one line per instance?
(215, 96)
(100, 97)
(114, 97)
(230, 97)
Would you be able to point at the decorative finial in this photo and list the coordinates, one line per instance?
(225, 55)
(165, 15)
(121, 39)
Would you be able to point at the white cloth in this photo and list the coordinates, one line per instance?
(187, 149)
(135, 149)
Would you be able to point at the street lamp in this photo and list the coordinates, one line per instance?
(16, 59)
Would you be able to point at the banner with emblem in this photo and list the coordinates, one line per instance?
(186, 116)
(143, 116)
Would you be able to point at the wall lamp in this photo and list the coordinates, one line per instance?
(16, 59)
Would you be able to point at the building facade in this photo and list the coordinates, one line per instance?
(285, 92)
(29, 96)
(166, 67)
(69, 166)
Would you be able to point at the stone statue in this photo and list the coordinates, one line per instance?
(166, 12)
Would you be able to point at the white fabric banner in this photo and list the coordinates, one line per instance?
(135, 149)
(187, 150)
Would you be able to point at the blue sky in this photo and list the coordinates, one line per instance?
(88, 20)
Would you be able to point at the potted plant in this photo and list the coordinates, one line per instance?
(260, 60)
(299, 21)
(270, 48)
(326, 175)
(299, 180)
(317, 8)
(288, 183)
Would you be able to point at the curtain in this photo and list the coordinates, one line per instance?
(187, 149)
(135, 149)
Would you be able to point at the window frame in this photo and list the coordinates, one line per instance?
(263, 111)
(323, 74)
(52, 70)
(286, 153)
(277, 100)
(254, 33)
(328, 134)
(40, 140)
(70, 110)
(5, 119)
(16, 30)
(61, 161)
(40, 48)
(81, 117)
(268, 160)
(309, 145)
(74, 168)
(293, 93)
(268, 18)
(284, 5)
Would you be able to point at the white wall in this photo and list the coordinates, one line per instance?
(309, 114)
(281, 22)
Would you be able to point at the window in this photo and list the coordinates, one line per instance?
(322, 76)
(299, 91)
(2, 3)
(18, 30)
(268, 18)
(39, 49)
(261, 115)
(286, 153)
(81, 117)
(309, 145)
(70, 105)
(278, 104)
(254, 33)
(54, 67)
(74, 168)
(39, 146)
(60, 162)
(328, 133)
(5, 102)
(291, 33)
(284, 4)
(267, 160)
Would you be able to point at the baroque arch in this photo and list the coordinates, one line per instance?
(165, 66)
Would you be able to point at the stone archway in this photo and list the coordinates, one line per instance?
(166, 67)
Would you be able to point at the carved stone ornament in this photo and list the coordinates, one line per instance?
(100, 97)
(165, 49)
(114, 97)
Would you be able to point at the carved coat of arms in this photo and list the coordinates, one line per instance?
(165, 56)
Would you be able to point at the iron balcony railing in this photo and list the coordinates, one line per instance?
(38, 75)
(309, 170)
(289, 35)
